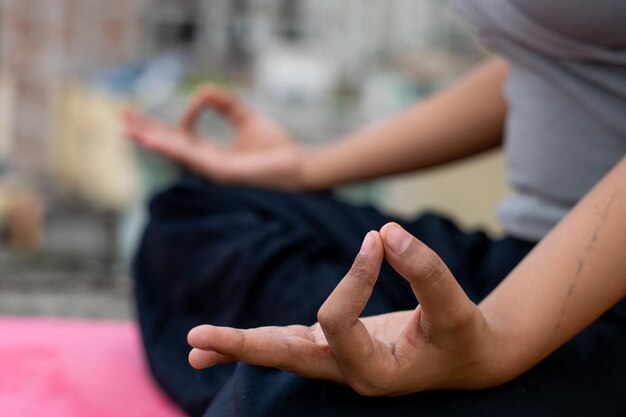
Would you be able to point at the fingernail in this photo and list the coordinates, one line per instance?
(368, 244)
(398, 240)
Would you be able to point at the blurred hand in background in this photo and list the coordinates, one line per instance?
(262, 152)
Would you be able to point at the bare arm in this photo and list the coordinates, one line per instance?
(463, 120)
(574, 275)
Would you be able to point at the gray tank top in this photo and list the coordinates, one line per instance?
(566, 93)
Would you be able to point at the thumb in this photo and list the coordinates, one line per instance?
(441, 298)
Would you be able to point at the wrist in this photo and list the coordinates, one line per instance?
(503, 361)
(313, 173)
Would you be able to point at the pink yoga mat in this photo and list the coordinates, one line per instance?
(68, 368)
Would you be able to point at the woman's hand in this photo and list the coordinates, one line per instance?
(445, 343)
(262, 153)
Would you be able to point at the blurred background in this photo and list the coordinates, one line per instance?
(73, 188)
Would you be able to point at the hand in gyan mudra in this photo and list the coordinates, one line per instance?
(445, 343)
(261, 154)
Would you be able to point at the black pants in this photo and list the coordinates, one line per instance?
(247, 257)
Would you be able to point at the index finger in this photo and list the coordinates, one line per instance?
(220, 101)
(347, 336)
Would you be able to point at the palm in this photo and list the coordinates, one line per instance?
(260, 134)
(385, 331)
(388, 328)
(441, 344)
(262, 153)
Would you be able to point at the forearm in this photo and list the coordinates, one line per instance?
(573, 276)
(463, 120)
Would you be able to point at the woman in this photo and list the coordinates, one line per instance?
(533, 324)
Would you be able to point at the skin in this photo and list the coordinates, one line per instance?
(574, 275)
(571, 277)
(264, 155)
(388, 354)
